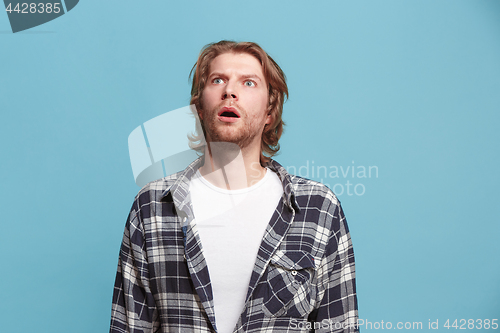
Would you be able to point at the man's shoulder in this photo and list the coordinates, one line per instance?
(308, 187)
(302, 188)
(315, 203)
(159, 186)
(163, 184)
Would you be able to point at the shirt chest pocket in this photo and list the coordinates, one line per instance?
(289, 291)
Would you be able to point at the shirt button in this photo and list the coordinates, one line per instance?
(294, 273)
(185, 257)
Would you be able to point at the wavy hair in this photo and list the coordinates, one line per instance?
(274, 76)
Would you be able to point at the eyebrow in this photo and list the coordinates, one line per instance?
(244, 76)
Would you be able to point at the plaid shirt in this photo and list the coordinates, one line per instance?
(303, 278)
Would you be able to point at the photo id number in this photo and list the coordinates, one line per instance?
(463, 324)
(32, 8)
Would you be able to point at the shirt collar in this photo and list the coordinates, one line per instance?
(180, 188)
(286, 181)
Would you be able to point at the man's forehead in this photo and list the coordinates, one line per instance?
(242, 63)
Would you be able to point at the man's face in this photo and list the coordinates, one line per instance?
(235, 100)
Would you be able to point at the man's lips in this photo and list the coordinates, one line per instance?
(228, 114)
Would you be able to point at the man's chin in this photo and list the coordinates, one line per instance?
(228, 139)
(226, 135)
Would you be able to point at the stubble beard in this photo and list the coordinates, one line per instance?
(242, 134)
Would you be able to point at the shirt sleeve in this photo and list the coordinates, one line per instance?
(338, 309)
(133, 308)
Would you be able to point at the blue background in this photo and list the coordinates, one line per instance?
(411, 87)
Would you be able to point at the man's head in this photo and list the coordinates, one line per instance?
(239, 93)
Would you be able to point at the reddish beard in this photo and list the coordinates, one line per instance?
(242, 133)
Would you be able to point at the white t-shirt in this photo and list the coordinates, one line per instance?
(231, 225)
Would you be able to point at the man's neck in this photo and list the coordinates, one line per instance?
(229, 167)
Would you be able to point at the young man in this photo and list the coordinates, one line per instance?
(234, 243)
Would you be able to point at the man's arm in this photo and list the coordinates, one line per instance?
(338, 310)
(134, 308)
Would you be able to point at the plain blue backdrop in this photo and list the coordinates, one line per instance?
(409, 87)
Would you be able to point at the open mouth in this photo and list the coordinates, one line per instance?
(228, 114)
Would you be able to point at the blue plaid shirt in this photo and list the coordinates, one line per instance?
(303, 278)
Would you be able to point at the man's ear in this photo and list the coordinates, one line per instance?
(199, 107)
(199, 110)
(269, 117)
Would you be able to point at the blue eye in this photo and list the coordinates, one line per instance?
(217, 81)
(249, 83)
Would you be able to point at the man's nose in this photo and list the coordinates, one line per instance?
(229, 92)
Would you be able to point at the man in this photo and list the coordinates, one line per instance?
(234, 243)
